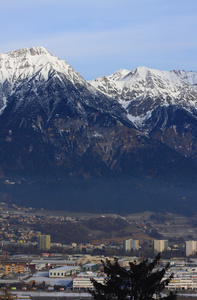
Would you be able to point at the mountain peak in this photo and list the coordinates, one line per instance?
(119, 75)
(39, 51)
(24, 63)
(33, 66)
(132, 89)
(139, 73)
(28, 51)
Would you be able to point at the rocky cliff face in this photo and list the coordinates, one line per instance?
(101, 140)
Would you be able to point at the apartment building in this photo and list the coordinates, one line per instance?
(43, 242)
(160, 245)
(12, 268)
(191, 247)
(131, 244)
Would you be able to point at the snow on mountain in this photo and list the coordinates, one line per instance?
(21, 66)
(142, 90)
(56, 125)
(33, 81)
(36, 87)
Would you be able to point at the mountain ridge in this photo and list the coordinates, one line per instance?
(56, 127)
(152, 98)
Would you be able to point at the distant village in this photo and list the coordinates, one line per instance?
(31, 260)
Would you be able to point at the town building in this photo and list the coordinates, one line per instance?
(82, 280)
(183, 279)
(160, 245)
(131, 245)
(90, 267)
(13, 268)
(53, 263)
(43, 242)
(191, 247)
(63, 271)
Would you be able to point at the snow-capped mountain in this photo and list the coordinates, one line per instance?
(18, 67)
(21, 65)
(157, 102)
(142, 90)
(117, 129)
(34, 77)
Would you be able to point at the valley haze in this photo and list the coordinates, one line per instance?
(122, 143)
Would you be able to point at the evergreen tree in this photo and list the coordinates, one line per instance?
(140, 282)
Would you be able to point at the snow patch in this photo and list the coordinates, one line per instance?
(139, 120)
(4, 104)
(96, 134)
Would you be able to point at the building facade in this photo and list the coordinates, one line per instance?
(183, 282)
(43, 242)
(63, 271)
(131, 245)
(160, 245)
(13, 268)
(191, 247)
(83, 280)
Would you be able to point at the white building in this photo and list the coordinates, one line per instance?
(63, 271)
(82, 281)
(131, 245)
(184, 276)
(191, 247)
(183, 282)
(160, 245)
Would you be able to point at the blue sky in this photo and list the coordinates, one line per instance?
(98, 37)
